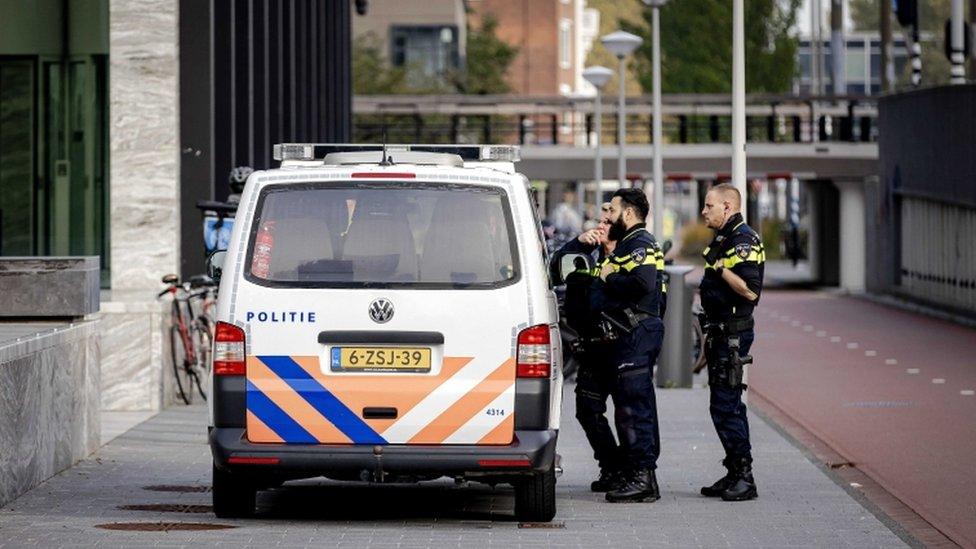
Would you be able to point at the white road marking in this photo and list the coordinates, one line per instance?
(821, 333)
(855, 485)
(784, 318)
(808, 328)
(967, 392)
(938, 381)
(795, 323)
(891, 361)
(912, 371)
(870, 353)
(835, 339)
(852, 345)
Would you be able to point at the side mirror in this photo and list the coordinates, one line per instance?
(570, 263)
(215, 264)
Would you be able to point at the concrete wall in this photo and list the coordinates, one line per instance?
(49, 404)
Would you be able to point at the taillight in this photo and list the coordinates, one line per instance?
(228, 355)
(534, 352)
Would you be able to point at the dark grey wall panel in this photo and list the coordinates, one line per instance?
(254, 73)
(927, 143)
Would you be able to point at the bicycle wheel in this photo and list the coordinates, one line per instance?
(180, 371)
(202, 345)
(697, 345)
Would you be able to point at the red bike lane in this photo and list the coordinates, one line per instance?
(892, 392)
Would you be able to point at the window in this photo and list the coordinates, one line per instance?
(425, 51)
(565, 43)
(381, 235)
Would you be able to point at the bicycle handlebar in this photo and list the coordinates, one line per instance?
(219, 207)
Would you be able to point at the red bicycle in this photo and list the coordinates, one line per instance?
(191, 333)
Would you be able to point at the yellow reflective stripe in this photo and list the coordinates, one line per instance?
(754, 256)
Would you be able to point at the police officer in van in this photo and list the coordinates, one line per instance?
(729, 292)
(627, 296)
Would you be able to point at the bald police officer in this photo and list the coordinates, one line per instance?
(730, 291)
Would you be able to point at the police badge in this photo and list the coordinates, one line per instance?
(638, 255)
(742, 250)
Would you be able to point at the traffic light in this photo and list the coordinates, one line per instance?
(906, 11)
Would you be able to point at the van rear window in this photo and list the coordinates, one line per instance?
(382, 235)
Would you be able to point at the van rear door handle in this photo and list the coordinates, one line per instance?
(379, 412)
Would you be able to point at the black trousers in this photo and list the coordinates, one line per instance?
(725, 403)
(634, 401)
(595, 380)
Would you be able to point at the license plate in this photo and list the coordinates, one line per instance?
(380, 359)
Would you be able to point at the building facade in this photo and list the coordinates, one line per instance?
(862, 61)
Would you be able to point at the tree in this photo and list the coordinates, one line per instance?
(696, 46)
(488, 59)
(932, 15)
(372, 74)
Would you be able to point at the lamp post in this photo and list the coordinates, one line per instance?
(598, 77)
(657, 204)
(739, 100)
(621, 44)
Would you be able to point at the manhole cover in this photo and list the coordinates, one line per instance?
(176, 488)
(542, 525)
(161, 526)
(168, 508)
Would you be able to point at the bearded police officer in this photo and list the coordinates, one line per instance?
(729, 291)
(628, 297)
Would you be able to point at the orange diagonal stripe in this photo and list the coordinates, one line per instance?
(467, 406)
(502, 434)
(257, 431)
(400, 391)
(293, 404)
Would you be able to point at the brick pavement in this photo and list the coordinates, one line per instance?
(799, 504)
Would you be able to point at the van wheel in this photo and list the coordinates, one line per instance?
(233, 496)
(535, 497)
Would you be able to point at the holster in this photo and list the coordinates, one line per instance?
(728, 370)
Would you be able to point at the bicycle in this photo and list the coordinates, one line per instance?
(191, 333)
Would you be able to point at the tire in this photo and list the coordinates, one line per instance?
(202, 345)
(184, 385)
(233, 497)
(697, 345)
(535, 497)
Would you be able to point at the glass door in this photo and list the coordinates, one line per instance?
(18, 230)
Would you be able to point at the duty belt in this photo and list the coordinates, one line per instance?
(732, 325)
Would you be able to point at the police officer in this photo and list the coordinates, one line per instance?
(595, 377)
(729, 291)
(628, 297)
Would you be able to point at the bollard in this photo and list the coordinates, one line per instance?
(674, 362)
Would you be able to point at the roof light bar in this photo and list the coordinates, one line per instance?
(318, 151)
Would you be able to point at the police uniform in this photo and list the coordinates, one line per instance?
(729, 324)
(631, 301)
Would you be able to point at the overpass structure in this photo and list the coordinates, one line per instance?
(827, 144)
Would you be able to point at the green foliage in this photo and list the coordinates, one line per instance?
(488, 59)
(694, 239)
(371, 73)
(696, 44)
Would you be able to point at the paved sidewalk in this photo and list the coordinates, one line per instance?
(799, 504)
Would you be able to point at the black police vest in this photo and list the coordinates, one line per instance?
(638, 248)
(738, 248)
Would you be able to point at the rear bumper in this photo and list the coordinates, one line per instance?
(532, 451)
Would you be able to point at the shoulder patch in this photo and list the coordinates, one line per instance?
(742, 250)
(638, 255)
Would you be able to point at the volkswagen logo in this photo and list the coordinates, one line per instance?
(381, 310)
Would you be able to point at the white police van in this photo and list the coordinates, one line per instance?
(385, 315)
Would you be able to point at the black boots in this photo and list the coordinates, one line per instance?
(640, 485)
(722, 484)
(737, 485)
(610, 479)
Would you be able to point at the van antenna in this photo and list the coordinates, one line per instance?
(385, 160)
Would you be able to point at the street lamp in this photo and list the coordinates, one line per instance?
(621, 44)
(598, 77)
(658, 202)
(739, 101)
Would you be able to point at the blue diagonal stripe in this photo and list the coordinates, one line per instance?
(275, 418)
(322, 400)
